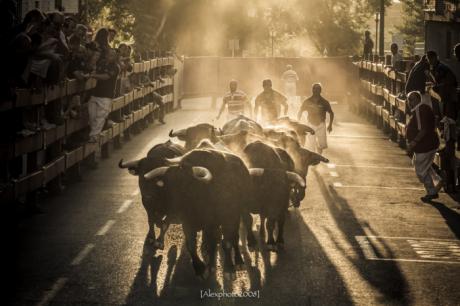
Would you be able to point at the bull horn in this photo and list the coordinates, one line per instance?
(129, 164)
(160, 171)
(256, 171)
(173, 161)
(177, 133)
(202, 174)
(295, 178)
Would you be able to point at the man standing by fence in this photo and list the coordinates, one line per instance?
(100, 103)
(423, 143)
(317, 107)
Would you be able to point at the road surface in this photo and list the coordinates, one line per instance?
(360, 237)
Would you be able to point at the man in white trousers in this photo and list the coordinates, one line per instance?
(317, 107)
(100, 103)
(290, 79)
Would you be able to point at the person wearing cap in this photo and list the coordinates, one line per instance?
(317, 107)
(290, 79)
(270, 102)
(236, 102)
(423, 143)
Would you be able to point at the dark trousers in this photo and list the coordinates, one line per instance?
(161, 109)
(448, 164)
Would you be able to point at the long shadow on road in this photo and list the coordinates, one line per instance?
(302, 274)
(452, 217)
(385, 276)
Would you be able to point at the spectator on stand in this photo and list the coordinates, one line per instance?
(126, 68)
(69, 26)
(81, 32)
(102, 39)
(423, 143)
(100, 103)
(368, 46)
(396, 57)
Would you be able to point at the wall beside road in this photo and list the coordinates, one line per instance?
(209, 76)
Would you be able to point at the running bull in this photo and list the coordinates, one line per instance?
(272, 184)
(208, 189)
(154, 198)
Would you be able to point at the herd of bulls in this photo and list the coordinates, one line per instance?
(218, 179)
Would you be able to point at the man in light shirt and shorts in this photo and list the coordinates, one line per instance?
(317, 107)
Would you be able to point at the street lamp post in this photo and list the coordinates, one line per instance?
(382, 28)
(376, 31)
(272, 37)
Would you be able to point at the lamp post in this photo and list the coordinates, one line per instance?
(382, 28)
(376, 31)
(272, 36)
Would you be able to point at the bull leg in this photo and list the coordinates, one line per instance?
(190, 240)
(227, 245)
(262, 227)
(239, 262)
(210, 238)
(151, 220)
(280, 237)
(247, 221)
(163, 225)
(270, 231)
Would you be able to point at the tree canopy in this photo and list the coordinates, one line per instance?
(204, 27)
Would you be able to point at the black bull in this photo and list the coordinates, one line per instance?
(272, 184)
(154, 198)
(209, 190)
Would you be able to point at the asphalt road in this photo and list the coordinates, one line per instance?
(360, 237)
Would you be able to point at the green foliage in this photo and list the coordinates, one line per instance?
(337, 25)
(204, 27)
(412, 28)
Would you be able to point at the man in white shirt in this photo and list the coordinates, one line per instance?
(290, 79)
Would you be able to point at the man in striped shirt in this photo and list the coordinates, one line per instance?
(236, 102)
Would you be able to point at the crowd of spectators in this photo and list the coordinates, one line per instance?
(47, 48)
(424, 72)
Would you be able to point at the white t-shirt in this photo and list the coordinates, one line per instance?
(290, 76)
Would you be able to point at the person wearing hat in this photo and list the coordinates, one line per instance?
(270, 102)
(317, 107)
(236, 102)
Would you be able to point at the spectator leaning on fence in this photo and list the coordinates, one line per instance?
(100, 103)
(423, 143)
(396, 57)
